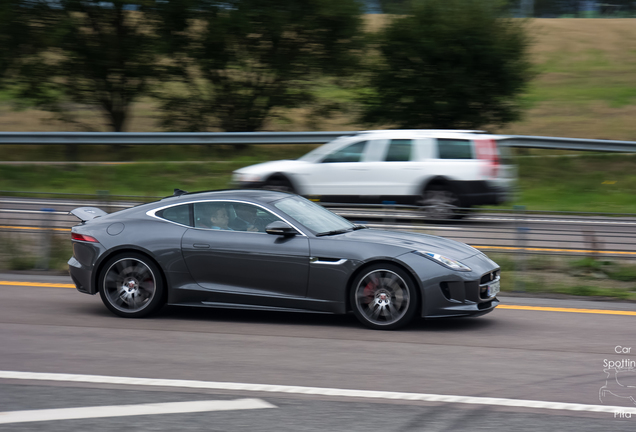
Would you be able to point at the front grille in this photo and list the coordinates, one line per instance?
(489, 277)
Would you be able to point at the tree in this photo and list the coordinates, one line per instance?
(103, 54)
(248, 57)
(448, 64)
(19, 38)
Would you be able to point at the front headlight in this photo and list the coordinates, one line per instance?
(445, 261)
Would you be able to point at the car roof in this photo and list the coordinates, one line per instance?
(257, 195)
(425, 132)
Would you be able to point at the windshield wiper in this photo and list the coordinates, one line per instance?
(333, 232)
(359, 227)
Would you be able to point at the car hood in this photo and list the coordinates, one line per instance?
(412, 241)
(272, 167)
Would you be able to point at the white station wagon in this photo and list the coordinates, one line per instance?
(440, 170)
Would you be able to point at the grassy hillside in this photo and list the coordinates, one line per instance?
(586, 87)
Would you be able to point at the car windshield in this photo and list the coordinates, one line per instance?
(316, 218)
(318, 153)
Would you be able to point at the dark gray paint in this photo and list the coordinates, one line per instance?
(241, 269)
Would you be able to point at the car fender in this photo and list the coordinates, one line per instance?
(437, 180)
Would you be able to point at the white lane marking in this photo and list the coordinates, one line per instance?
(320, 391)
(131, 410)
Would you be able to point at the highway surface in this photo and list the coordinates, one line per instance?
(531, 365)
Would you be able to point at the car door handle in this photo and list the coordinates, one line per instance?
(201, 245)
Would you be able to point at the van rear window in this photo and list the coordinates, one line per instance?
(399, 150)
(454, 148)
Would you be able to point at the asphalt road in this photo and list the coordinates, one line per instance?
(296, 371)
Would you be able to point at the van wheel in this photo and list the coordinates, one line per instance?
(279, 184)
(439, 203)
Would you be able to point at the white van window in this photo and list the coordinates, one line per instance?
(399, 150)
(351, 153)
(454, 148)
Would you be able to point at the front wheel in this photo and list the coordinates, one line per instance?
(131, 285)
(383, 297)
(279, 184)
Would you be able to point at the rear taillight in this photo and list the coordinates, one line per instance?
(83, 237)
(487, 150)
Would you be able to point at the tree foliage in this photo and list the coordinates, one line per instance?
(101, 54)
(19, 38)
(448, 64)
(247, 57)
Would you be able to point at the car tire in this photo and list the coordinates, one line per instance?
(440, 203)
(131, 285)
(384, 297)
(281, 184)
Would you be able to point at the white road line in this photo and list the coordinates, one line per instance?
(319, 391)
(131, 410)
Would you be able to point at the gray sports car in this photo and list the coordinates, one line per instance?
(269, 250)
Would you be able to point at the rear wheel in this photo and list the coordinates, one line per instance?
(383, 297)
(131, 285)
(440, 203)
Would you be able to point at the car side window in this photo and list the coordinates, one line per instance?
(454, 148)
(351, 153)
(251, 218)
(179, 214)
(231, 216)
(400, 150)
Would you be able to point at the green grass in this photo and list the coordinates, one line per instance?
(22, 252)
(589, 77)
(586, 276)
(152, 153)
(127, 179)
(586, 182)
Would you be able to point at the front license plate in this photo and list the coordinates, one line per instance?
(493, 289)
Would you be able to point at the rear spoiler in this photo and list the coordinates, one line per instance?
(87, 213)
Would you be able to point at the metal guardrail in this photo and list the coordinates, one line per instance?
(240, 138)
(556, 241)
(505, 231)
(568, 143)
(168, 138)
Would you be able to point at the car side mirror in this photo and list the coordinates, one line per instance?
(280, 228)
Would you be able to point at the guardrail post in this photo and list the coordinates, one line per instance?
(391, 208)
(102, 197)
(45, 246)
(520, 259)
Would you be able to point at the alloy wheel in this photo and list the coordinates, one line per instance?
(129, 285)
(382, 297)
